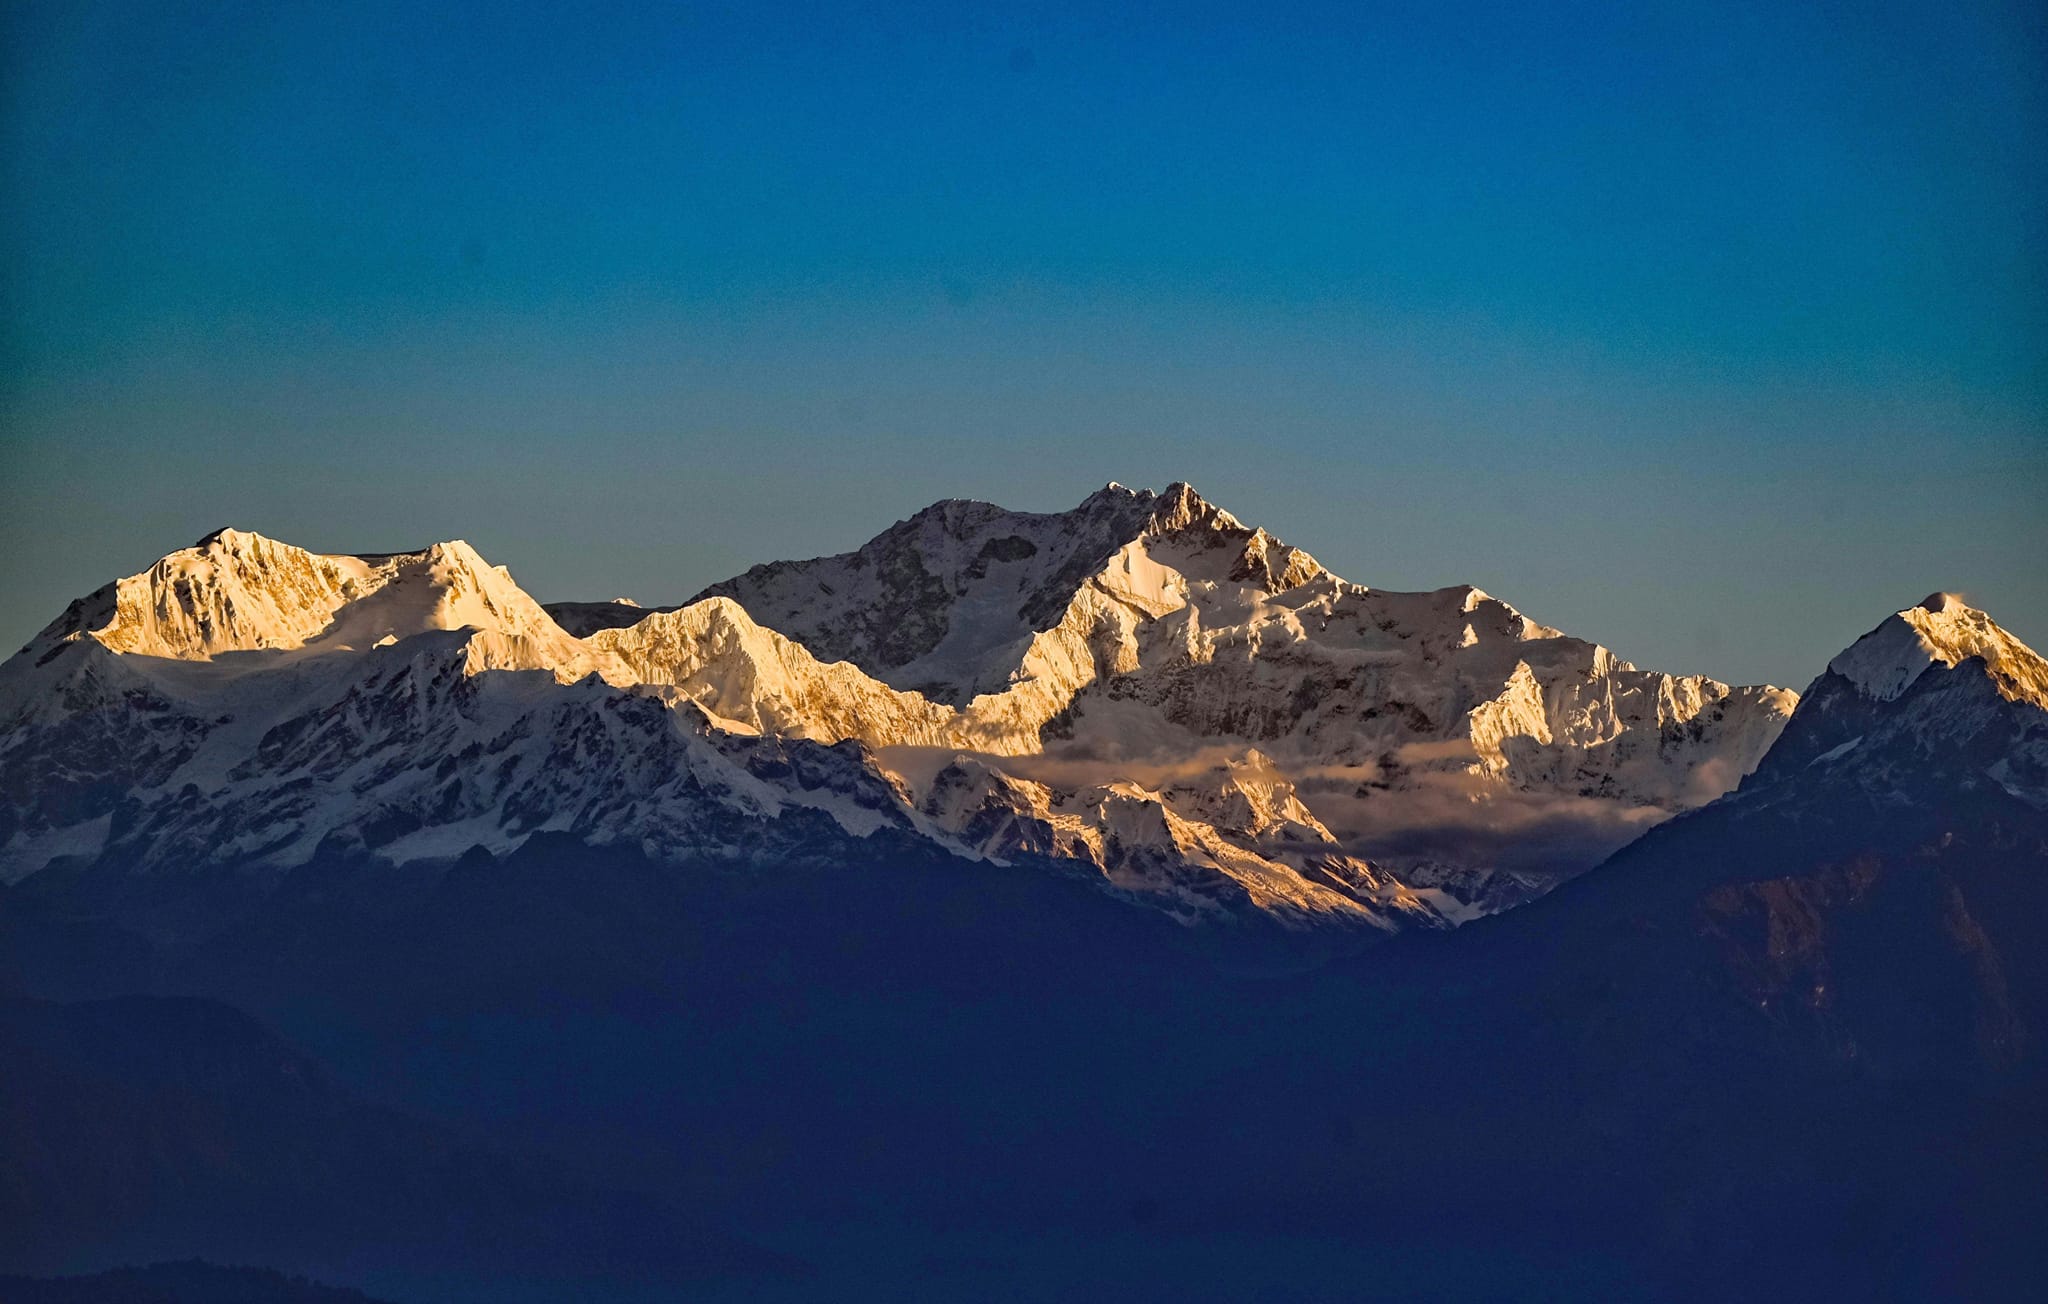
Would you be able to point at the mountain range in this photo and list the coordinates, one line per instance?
(1203, 714)
(1101, 904)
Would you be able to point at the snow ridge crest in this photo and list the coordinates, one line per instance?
(1941, 630)
(1142, 683)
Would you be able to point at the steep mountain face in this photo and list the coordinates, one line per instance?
(1199, 712)
(1145, 639)
(948, 602)
(239, 592)
(1938, 693)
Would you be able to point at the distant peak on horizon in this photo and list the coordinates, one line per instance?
(239, 591)
(1941, 629)
(224, 534)
(1174, 489)
(1176, 507)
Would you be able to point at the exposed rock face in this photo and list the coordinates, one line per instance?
(1143, 684)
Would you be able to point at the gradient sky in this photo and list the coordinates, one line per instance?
(1712, 332)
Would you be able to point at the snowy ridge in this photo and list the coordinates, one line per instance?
(1941, 630)
(752, 680)
(230, 592)
(418, 749)
(1143, 684)
(236, 592)
(1181, 633)
(1938, 693)
(949, 601)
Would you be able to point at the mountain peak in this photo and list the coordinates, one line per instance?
(1937, 695)
(1182, 507)
(1935, 603)
(228, 541)
(1179, 503)
(238, 591)
(1942, 629)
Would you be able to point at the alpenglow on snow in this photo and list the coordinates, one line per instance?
(1193, 711)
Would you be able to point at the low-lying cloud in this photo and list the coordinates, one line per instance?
(1448, 815)
(1463, 819)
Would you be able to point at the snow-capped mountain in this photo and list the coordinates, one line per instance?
(239, 592)
(1146, 639)
(1938, 693)
(248, 703)
(1143, 685)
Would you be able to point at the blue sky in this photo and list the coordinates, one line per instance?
(1710, 332)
